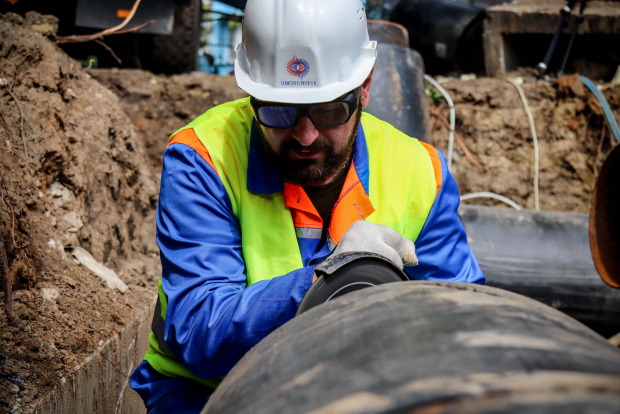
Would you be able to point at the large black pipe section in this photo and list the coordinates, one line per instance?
(397, 93)
(448, 33)
(546, 256)
(421, 347)
(605, 221)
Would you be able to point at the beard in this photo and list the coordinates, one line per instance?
(312, 172)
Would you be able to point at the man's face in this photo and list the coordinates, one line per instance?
(308, 155)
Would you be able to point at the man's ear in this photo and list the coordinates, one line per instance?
(365, 92)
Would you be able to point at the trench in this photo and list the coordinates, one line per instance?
(99, 384)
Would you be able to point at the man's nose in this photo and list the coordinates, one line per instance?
(305, 132)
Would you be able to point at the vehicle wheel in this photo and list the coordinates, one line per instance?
(178, 52)
(356, 275)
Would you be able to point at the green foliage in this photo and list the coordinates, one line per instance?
(434, 94)
(86, 62)
(232, 25)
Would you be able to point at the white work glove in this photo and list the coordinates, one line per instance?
(363, 236)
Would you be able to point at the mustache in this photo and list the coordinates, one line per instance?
(293, 144)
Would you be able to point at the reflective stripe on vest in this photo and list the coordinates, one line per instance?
(402, 185)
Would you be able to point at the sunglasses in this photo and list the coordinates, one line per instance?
(322, 115)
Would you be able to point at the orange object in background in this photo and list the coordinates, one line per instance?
(122, 14)
(605, 221)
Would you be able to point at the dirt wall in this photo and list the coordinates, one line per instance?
(73, 173)
(491, 121)
(159, 105)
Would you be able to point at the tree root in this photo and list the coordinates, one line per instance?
(459, 141)
(21, 114)
(107, 32)
(8, 287)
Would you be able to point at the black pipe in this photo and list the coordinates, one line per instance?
(426, 347)
(580, 18)
(448, 34)
(546, 256)
(565, 13)
(240, 4)
(397, 93)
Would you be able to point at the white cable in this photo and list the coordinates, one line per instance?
(452, 117)
(534, 137)
(491, 195)
(451, 146)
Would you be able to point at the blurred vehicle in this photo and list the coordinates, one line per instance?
(170, 45)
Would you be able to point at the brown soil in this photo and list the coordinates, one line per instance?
(490, 119)
(84, 182)
(573, 137)
(159, 105)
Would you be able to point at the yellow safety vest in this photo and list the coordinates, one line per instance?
(402, 185)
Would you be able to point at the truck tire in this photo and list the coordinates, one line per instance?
(178, 52)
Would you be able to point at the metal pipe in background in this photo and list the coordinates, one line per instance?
(447, 33)
(604, 228)
(384, 31)
(565, 13)
(580, 18)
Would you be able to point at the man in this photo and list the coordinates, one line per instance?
(255, 193)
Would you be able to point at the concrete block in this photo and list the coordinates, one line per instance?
(518, 34)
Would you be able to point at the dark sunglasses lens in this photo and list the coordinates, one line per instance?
(330, 114)
(277, 116)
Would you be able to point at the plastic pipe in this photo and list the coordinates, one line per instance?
(452, 117)
(544, 255)
(613, 125)
(534, 138)
(491, 195)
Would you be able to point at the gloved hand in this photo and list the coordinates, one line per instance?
(363, 236)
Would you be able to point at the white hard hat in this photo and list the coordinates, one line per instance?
(303, 51)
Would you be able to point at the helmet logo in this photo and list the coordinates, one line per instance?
(298, 67)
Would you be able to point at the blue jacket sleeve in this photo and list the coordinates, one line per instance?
(212, 318)
(441, 247)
